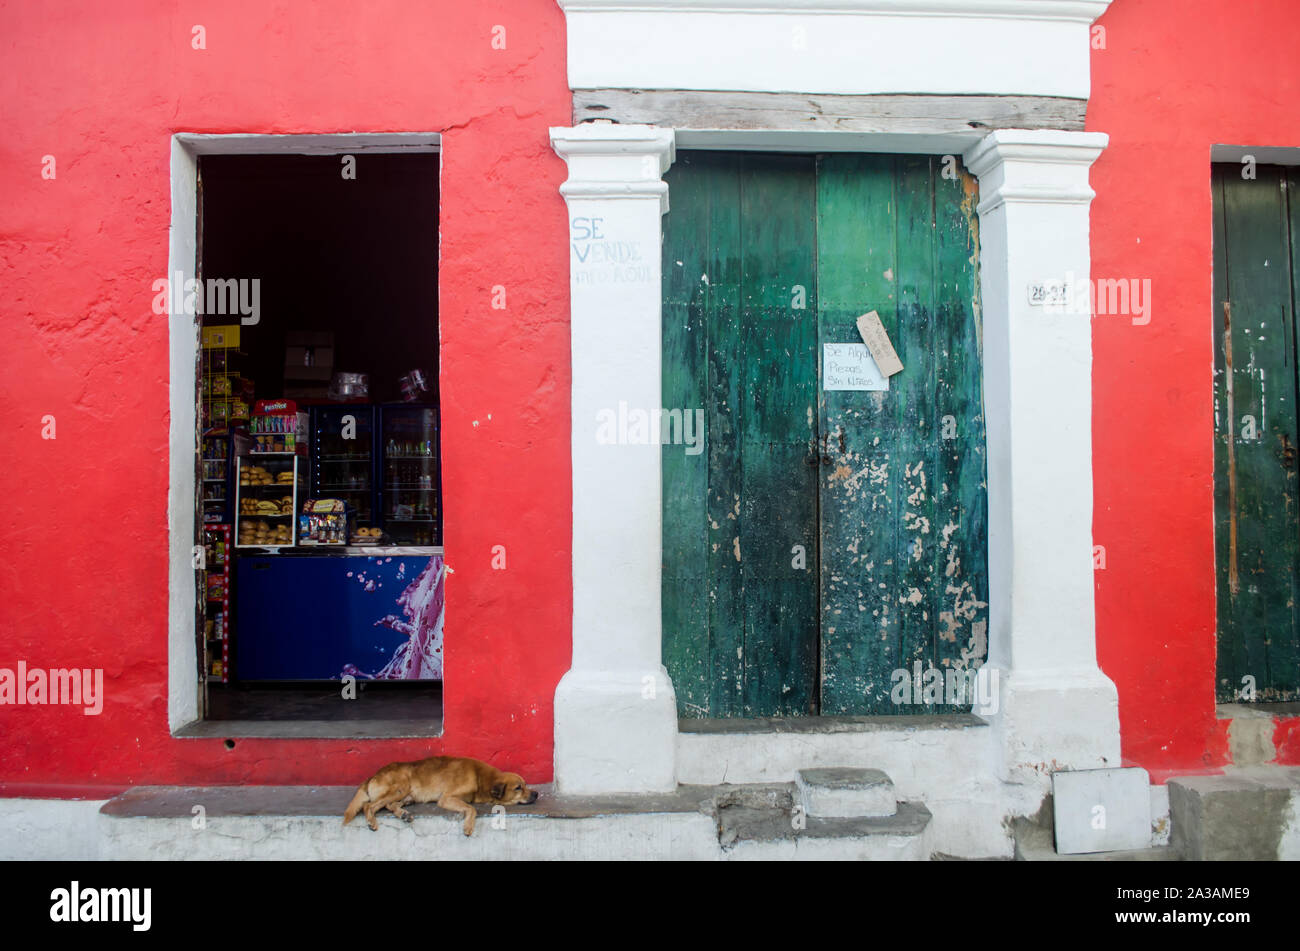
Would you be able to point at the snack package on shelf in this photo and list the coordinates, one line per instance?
(325, 522)
(278, 426)
(216, 587)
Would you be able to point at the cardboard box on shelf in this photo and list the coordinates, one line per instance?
(308, 363)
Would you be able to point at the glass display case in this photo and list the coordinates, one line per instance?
(411, 490)
(269, 490)
(342, 460)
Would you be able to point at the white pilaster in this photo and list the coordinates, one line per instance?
(615, 711)
(1056, 708)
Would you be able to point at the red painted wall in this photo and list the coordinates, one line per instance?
(1176, 77)
(83, 524)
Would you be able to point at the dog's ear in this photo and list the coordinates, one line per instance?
(498, 790)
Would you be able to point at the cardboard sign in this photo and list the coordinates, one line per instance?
(877, 341)
(849, 366)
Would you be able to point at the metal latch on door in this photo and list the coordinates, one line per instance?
(811, 458)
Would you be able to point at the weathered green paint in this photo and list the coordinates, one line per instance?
(961, 550)
(903, 509)
(740, 622)
(822, 538)
(777, 496)
(1256, 230)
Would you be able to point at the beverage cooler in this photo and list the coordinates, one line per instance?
(383, 461)
(410, 489)
(343, 458)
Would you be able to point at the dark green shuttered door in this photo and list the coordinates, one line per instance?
(1256, 276)
(822, 540)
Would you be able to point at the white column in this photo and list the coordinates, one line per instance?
(1056, 709)
(615, 711)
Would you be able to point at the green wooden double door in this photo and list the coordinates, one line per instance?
(1257, 529)
(823, 545)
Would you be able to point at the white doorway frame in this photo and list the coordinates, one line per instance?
(616, 728)
(183, 688)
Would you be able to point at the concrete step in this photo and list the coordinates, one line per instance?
(845, 792)
(945, 761)
(759, 822)
(1250, 813)
(1034, 844)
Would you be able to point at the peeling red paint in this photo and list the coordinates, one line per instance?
(1286, 740)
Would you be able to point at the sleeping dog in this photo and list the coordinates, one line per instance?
(451, 782)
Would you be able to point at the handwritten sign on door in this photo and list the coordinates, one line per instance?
(849, 366)
(877, 341)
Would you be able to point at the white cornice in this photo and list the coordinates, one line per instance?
(1046, 146)
(835, 47)
(1085, 11)
(1040, 167)
(608, 138)
(609, 161)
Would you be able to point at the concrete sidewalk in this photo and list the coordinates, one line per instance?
(707, 823)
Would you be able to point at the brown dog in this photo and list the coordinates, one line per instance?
(452, 782)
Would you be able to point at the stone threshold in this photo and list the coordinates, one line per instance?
(311, 729)
(953, 721)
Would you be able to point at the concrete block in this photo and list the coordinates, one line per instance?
(846, 792)
(1101, 810)
(1244, 814)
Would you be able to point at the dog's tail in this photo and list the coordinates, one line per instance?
(360, 799)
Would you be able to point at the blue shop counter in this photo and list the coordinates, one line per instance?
(372, 613)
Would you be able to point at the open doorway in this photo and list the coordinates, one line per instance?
(319, 472)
